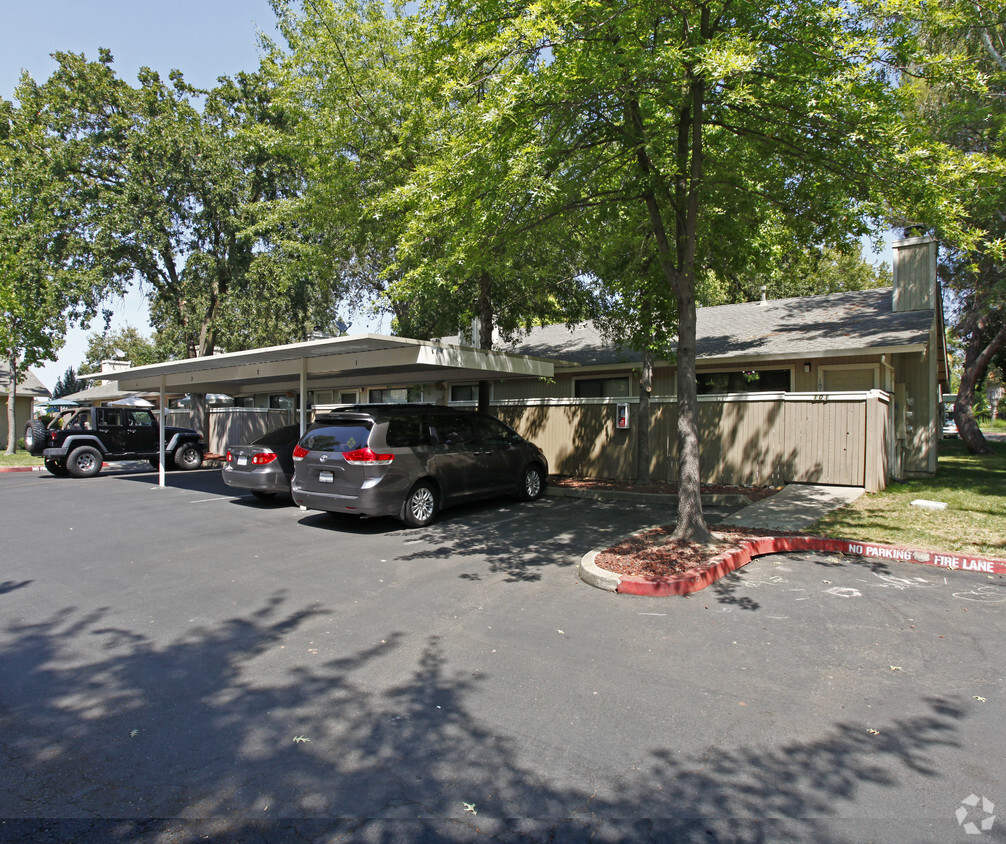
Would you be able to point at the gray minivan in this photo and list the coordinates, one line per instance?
(409, 461)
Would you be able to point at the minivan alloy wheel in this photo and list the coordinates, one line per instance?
(421, 506)
(533, 484)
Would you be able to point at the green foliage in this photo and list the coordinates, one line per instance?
(806, 271)
(185, 199)
(68, 383)
(125, 344)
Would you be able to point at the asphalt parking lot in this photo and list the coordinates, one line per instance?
(191, 664)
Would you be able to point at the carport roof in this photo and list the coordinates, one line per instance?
(354, 360)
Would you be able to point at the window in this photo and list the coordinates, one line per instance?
(279, 436)
(455, 430)
(408, 431)
(244, 401)
(339, 437)
(494, 433)
(591, 388)
(281, 401)
(396, 395)
(110, 417)
(744, 381)
(141, 418)
(464, 392)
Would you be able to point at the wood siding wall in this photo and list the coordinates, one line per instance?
(234, 425)
(23, 409)
(840, 439)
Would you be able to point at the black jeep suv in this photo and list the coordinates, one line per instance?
(78, 441)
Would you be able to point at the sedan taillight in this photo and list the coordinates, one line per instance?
(299, 452)
(367, 457)
(228, 458)
(263, 459)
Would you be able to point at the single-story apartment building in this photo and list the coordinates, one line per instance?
(843, 388)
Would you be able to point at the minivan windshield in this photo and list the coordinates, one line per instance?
(337, 437)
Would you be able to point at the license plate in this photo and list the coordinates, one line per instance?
(326, 477)
(242, 461)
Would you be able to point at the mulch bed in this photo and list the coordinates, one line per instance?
(650, 553)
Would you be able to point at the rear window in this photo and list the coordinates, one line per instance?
(337, 437)
(279, 436)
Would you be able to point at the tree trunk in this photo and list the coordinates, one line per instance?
(976, 361)
(643, 422)
(11, 404)
(199, 413)
(11, 417)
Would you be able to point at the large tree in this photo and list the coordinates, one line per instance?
(703, 120)
(972, 118)
(183, 190)
(374, 127)
(48, 279)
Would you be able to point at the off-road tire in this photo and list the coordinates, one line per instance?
(421, 505)
(34, 437)
(84, 462)
(187, 457)
(56, 467)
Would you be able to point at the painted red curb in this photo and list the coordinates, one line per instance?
(5, 469)
(699, 578)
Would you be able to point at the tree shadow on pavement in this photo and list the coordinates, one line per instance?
(223, 734)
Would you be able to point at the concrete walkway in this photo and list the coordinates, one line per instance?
(794, 508)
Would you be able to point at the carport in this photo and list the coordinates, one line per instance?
(354, 360)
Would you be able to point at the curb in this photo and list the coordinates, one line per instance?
(6, 469)
(697, 578)
(712, 499)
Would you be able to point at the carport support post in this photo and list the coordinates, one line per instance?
(303, 395)
(160, 445)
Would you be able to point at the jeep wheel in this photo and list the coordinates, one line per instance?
(84, 462)
(187, 456)
(56, 467)
(420, 507)
(34, 437)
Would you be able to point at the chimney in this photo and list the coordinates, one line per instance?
(915, 287)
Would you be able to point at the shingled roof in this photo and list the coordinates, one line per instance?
(28, 386)
(833, 324)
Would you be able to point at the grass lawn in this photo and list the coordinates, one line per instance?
(21, 458)
(973, 523)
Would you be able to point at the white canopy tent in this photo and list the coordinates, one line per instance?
(356, 360)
